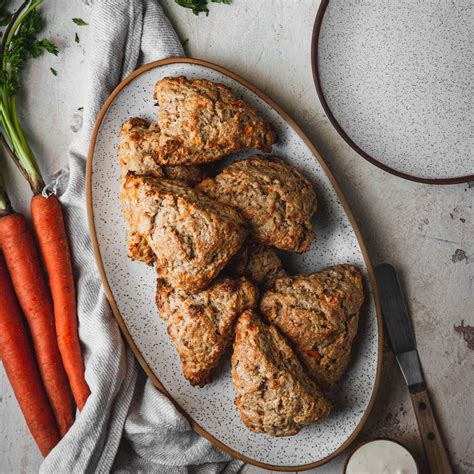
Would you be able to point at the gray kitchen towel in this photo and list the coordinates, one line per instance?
(126, 424)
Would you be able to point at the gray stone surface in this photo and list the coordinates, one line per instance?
(426, 231)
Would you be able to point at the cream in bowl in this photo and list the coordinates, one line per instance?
(381, 456)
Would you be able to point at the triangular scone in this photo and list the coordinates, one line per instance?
(319, 314)
(274, 395)
(201, 121)
(192, 236)
(275, 198)
(136, 153)
(201, 325)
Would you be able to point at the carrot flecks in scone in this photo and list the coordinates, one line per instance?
(201, 325)
(319, 314)
(273, 394)
(201, 121)
(138, 153)
(276, 199)
(192, 236)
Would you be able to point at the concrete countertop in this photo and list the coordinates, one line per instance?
(425, 231)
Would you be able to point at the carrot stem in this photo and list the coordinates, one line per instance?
(20, 366)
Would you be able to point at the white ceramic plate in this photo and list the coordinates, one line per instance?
(396, 80)
(131, 286)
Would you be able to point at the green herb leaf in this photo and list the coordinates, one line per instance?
(53, 71)
(199, 6)
(47, 45)
(22, 45)
(76, 38)
(79, 22)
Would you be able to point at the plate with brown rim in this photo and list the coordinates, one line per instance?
(395, 80)
(130, 286)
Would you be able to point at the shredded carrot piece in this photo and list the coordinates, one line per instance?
(329, 299)
(314, 354)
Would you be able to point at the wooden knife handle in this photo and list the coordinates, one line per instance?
(430, 435)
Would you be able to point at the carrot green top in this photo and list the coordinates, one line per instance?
(20, 43)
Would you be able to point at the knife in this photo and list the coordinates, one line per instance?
(402, 339)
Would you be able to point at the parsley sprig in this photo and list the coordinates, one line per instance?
(199, 6)
(20, 42)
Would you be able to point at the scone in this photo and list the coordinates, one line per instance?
(274, 395)
(258, 262)
(202, 325)
(319, 314)
(276, 199)
(201, 121)
(137, 152)
(192, 236)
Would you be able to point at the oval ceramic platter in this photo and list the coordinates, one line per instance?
(395, 79)
(130, 286)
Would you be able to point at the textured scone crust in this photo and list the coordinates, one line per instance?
(138, 247)
(258, 262)
(201, 121)
(319, 314)
(201, 325)
(276, 199)
(137, 152)
(192, 236)
(190, 175)
(274, 395)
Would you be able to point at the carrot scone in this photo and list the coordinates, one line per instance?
(201, 325)
(274, 395)
(319, 314)
(276, 199)
(137, 154)
(192, 236)
(201, 121)
(258, 262)
(138, 148)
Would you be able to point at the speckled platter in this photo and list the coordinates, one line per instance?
(130, 286)
(395, 78)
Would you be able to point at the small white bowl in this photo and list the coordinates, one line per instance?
(380, 456)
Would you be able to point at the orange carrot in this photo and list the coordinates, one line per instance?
(21, 256)
(51, 234)
(22, 371)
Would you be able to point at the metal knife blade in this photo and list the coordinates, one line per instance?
(399, 327)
